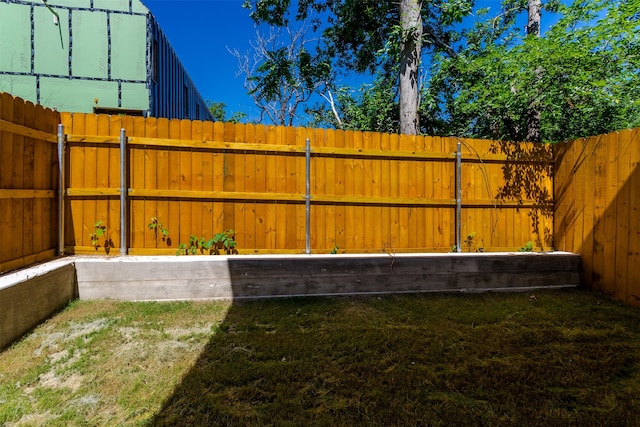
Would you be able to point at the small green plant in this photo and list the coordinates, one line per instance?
(468, 241)
(99, 232)
(159, 230)
(334, 250)
(528, 247)
(223, 242)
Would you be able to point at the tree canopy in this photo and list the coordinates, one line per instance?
(473, 72)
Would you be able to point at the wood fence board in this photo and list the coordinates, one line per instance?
(407, 177)
(339, 190)
(249, 179)
(588, 217)
(633, 272)
(162, 182)
(18, 225)
(599, 191)
(229, 178)
(318, 186)
(260, 182)
(330, 189)
(29, 227)
(174, 219)
(41, 172)
(621, 240)
(185, 183)
(197, 172)
(138, 171)
(610, 212)
(152, 238)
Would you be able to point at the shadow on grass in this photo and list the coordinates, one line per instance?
(557, 358)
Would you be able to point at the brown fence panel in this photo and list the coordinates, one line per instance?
(28, 182)
(370, 192)
(598, 210)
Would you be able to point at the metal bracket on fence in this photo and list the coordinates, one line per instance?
(61, 188)
(308, 198)
(123, 192)
(459, 198)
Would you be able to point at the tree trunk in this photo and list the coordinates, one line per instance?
(410, 46)
(533, 115)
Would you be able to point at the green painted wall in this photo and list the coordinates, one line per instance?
(15, 42)
(90, 44)
(128, 47)
(51, 51)
(68, 76)
(77, 95)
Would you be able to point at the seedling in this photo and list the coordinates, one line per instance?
(99, 232)
(528, 247)
(159, 230)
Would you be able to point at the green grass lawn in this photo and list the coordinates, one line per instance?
(555, 358)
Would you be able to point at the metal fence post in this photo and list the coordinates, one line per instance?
(123, 192)
(308, 198)
(459, 198)
(61, 188)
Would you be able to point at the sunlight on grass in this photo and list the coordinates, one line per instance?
(557, 358)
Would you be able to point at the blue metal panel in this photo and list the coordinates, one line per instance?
(172, 85)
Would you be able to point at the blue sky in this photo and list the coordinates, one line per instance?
(200, 31)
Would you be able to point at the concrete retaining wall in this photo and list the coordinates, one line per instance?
(206, 277)
(30, 296)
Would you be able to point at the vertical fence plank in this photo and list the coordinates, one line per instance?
(394, 191)
(588, 218)
(318, 187)
(185, 182)
(208, 217)
(41, 171)
(291, 188)
(330, 211)
(18, 151)
(249, 178)
(28, 182)
(599, 211)
(273, 173)
(621, 238)
(174, 219)
(162, 183)
(197, 206)
(139, 176)
(229, 173)
(260, 182)
(610, 213)
(152, 238)
(340, 210)
(239, 206)
(404, 181)
(633, 272)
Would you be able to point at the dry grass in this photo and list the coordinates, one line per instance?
(559, 358)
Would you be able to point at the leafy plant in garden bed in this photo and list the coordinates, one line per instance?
(100, 232)
(223, 242)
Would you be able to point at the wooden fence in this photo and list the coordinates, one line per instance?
(598, 210)
(370, 192)
(28, 183)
